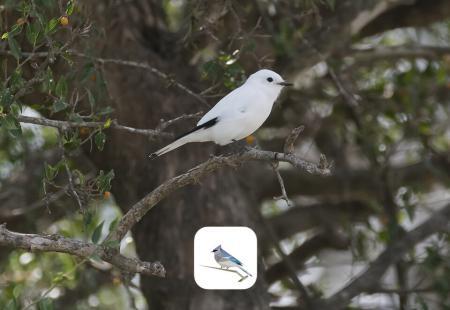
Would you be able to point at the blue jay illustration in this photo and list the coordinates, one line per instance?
(226, 260)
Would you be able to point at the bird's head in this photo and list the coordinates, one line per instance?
(217, 248)
(267, 79)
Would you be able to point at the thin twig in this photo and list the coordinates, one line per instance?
(64, 125)
(146, 66)
(43, 202)
(283, 196)
(71, 184)
(164, 124)
(291, 138)
(55, 284)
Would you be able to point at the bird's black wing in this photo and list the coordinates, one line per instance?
(205, 125)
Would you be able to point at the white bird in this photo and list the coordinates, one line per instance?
(238, 114)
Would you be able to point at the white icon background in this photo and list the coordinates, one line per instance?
(240, 242)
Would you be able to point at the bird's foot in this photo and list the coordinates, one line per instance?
(250, 140)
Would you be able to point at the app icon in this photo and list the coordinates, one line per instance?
(225, 257)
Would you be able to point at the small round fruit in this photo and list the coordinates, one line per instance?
(64, 20)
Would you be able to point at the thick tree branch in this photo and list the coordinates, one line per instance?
(368, 279)
(137, 211)
(57, 243)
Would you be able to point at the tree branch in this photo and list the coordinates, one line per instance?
(63, 125)
(368, 279)
(137, 211)
(164, 76)
(57, 243)
(287, 262)
(356, 183)
(386, 53)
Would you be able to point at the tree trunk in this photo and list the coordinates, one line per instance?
(167, 233)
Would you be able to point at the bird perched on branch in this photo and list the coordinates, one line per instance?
(237, 115)
(226, 260)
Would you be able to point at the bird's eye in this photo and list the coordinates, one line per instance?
(269, 79)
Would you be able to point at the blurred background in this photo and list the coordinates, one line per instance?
(372, 90)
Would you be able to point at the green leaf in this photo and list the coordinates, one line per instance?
(79, 177)
(45, 304)
(6, 97)
(16, 80)
(97, 232)
(107, 123)
(100, 139)
(113, 224)
(15, 30)
(10, 123)
(50, 172)
(104, 181)
(59, 105)
(112, 243)
(87, 219)
(71, 141)
(14, 47)
(61, 88)
(32, 33)
(51, 26)
(16, 110)
(59, 278)
(91, 99)
(105, 111)
(70, 7)
(5, 36)
(75, 117)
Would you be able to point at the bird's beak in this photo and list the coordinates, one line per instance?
(285, 84)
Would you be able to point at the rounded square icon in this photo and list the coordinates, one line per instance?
(225, 258)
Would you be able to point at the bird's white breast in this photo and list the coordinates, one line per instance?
(242, 114)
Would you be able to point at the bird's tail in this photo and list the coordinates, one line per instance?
(245, 271)
(172, 146)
